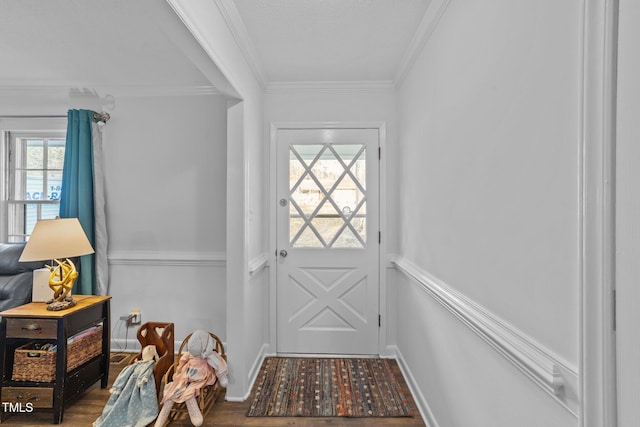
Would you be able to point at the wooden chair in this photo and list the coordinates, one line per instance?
(208, 394)
(161, 335)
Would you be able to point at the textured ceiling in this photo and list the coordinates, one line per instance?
(91, 43)
(142, 43)
(330, 40)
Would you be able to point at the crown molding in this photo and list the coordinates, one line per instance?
(427, 25)
(330, 86)
(157, 90)
(66, 90)
(34, 90)
(233, 20)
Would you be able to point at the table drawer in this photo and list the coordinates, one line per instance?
(39, 397)
(31, 328)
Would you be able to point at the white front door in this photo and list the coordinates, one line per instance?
(327, 241)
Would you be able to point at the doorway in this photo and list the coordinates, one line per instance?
(327, 240)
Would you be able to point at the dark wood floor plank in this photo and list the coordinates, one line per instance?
(88, 407)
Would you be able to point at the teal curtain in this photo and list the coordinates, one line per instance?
(76, 200)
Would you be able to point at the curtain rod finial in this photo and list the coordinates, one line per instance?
(102, 117)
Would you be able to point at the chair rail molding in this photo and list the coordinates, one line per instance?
(557, 378)
(258, 263)
(168, 258)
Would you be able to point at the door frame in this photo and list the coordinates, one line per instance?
(597, 245)
(382, 188)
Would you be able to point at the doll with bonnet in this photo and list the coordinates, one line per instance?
(133, 401)
(198, 367)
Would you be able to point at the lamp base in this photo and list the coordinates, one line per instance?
(65, 304)
(61, 282)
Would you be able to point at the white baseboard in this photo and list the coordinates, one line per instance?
(120, 345)
(253, 373)
(557, 378)
(131, 345)
(423, 407)
(257, 364)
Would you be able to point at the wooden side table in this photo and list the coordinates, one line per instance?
(32, 322)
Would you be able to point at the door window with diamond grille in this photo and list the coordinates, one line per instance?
(328, 196)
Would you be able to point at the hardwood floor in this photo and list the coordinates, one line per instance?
(86, 409)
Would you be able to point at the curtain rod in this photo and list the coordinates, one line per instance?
(31, 117)
(101, 117)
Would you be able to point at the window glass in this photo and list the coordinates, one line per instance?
(35, 180)
(328, 196)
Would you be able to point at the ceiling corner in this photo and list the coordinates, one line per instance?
(236, 26)
(427, 25)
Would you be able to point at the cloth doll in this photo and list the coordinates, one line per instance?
(198, 367)
(133, 401)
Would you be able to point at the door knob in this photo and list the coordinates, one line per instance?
(283, 253)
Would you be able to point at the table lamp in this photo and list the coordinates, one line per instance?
(58, 240)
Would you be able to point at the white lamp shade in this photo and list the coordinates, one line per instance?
(56, 239)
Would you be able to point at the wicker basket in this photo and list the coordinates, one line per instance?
(30, 364)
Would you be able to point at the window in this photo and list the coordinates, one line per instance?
(328, 196)
(34, 180)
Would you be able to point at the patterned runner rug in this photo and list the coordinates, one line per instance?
(335, 387)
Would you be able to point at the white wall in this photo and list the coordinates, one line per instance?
(165, 174)
(461, 379)
(165, 185)
(318, 103)
(489, 136)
